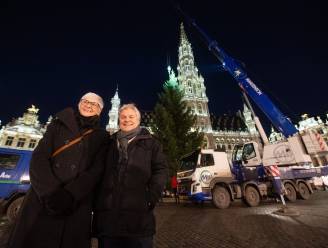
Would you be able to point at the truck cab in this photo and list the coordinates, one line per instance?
(199, 171)
(247, 154)
(14, 179)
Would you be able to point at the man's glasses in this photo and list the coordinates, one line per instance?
(92, 104)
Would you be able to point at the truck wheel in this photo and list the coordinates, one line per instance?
(252, 196)
(290, 192)
(221, 197)
(13, 208)
(303, 191)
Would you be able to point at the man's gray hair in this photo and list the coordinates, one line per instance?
(130, 106)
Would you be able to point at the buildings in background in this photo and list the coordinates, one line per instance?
(221, 132)
(313, 124)
(24, 132)
(306, 123)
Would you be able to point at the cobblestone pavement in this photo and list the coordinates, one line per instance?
(189, 225)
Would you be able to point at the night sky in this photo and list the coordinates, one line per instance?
(51, 54)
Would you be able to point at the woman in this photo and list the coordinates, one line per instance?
(65, 167)
(136, 172)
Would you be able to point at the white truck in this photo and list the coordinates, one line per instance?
(206, 174)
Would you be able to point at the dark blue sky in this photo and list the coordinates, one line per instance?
(51, 54)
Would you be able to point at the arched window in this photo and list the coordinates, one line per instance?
(202, 125)
(205, 142)
(9, 141)
(200, 109)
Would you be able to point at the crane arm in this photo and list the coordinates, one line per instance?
(277, 118)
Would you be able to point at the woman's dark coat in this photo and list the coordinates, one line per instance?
(130, 189)
(77, 169)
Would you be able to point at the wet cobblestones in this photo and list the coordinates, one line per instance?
(189, 225)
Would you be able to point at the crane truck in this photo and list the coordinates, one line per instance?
(256, 171)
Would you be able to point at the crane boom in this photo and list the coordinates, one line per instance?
(277, 118)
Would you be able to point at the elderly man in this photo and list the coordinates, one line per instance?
(64, 170)
(136, 172)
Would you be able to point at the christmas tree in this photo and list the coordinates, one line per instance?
(174, 124)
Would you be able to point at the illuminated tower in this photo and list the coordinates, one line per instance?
(192, 84)
(249, 121)
(112, 125)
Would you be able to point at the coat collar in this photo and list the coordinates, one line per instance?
(67, 117)
(144, 134)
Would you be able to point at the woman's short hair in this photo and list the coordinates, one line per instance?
(130, 106)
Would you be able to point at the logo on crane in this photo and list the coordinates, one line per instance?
(205, 176)
(258, 91)
(283, 153)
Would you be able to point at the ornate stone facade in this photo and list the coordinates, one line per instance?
(306, 123)
(315, 124)
(23, 133)
(221, 132)
(191, 83)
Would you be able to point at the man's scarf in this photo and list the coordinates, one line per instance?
(123, 140)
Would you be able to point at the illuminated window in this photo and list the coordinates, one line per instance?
(9, 141)
(32, 143)
(205, 142)
(200, 110)
(202, 125)
(21, 142)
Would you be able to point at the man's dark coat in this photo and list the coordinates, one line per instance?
(130, 189)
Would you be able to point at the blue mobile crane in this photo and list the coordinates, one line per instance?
(255, 172)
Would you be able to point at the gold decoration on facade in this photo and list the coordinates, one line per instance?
(33, 110)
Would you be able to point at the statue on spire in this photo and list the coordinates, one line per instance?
(173, 81)
(33, 110)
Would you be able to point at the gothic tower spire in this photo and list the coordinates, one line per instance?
(192, 83)
(183, 36)
(249, 121)
(112, 125)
